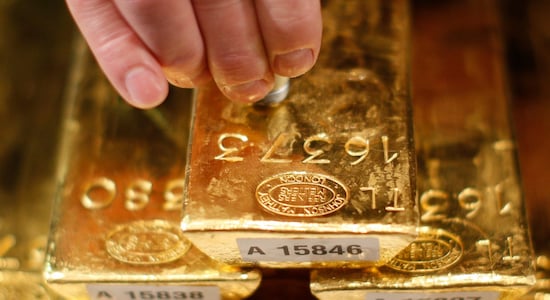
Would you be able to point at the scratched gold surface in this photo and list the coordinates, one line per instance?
(117, 210)
(474, 233)
(347, 121)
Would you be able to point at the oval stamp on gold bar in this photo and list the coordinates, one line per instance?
(434, 249)
(147, 242)
(302, 194)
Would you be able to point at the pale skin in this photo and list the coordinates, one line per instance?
(142, 45)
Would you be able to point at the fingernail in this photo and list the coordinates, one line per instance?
(145, 88)
(247, 92)
(294, 63)
(179, 79)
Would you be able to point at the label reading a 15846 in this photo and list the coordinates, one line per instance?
(309, 250)
(462, 295)
(143, 292)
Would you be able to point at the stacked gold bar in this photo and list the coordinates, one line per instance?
(473, 240)
(29, 126)
(26, 190)
(115, 230)
(323, 178)
(121, 176)
(541, 289)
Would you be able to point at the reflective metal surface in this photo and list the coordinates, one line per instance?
(473, 240)
(115, 227)
(541, 289)
(29, 126)
(327, 176)
(34, 37)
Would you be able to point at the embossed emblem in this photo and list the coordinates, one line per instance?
(301, 194)
(147, 242)
(434, 249)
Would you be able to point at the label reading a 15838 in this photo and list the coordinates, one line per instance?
(143, 292)
(302, 194)
(462, 295)
(309, 250)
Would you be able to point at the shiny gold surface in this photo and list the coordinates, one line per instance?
(529, 39)
(117, 212)
(28, 137)
(474, 241)
(24, 220)
(541, 289)
(529, 35)
(332, 162)
(34, 30)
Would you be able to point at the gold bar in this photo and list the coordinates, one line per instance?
(29, 130)
(25, 216)
(325, 177)
(473, 240)
(24, 220)
(27, 189)
(541, 289)
(115, 229)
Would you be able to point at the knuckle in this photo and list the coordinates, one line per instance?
(290, 15)
(298, 24)
(110, 44)
(142, 5)
(186, 57)
(239, 66)
(209, 5)
(291, 21)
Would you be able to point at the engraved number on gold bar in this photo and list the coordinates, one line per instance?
(505, 150)
(137, 195)
(395, 196)
(358, 147)
(435, 204)
(226, 152)
(314, 153)
(7, 242)
(489, 246)
(510, 257)
(101, 192)
(314, 146)
(503, 208)
(282, 140)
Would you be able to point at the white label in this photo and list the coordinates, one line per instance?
(306, 250)
(466, 295)
(152, 292)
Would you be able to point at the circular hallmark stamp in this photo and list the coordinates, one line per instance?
(434, 249)
(148, 242)
(301, 194)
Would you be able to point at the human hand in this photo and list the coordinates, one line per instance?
(240, 44)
